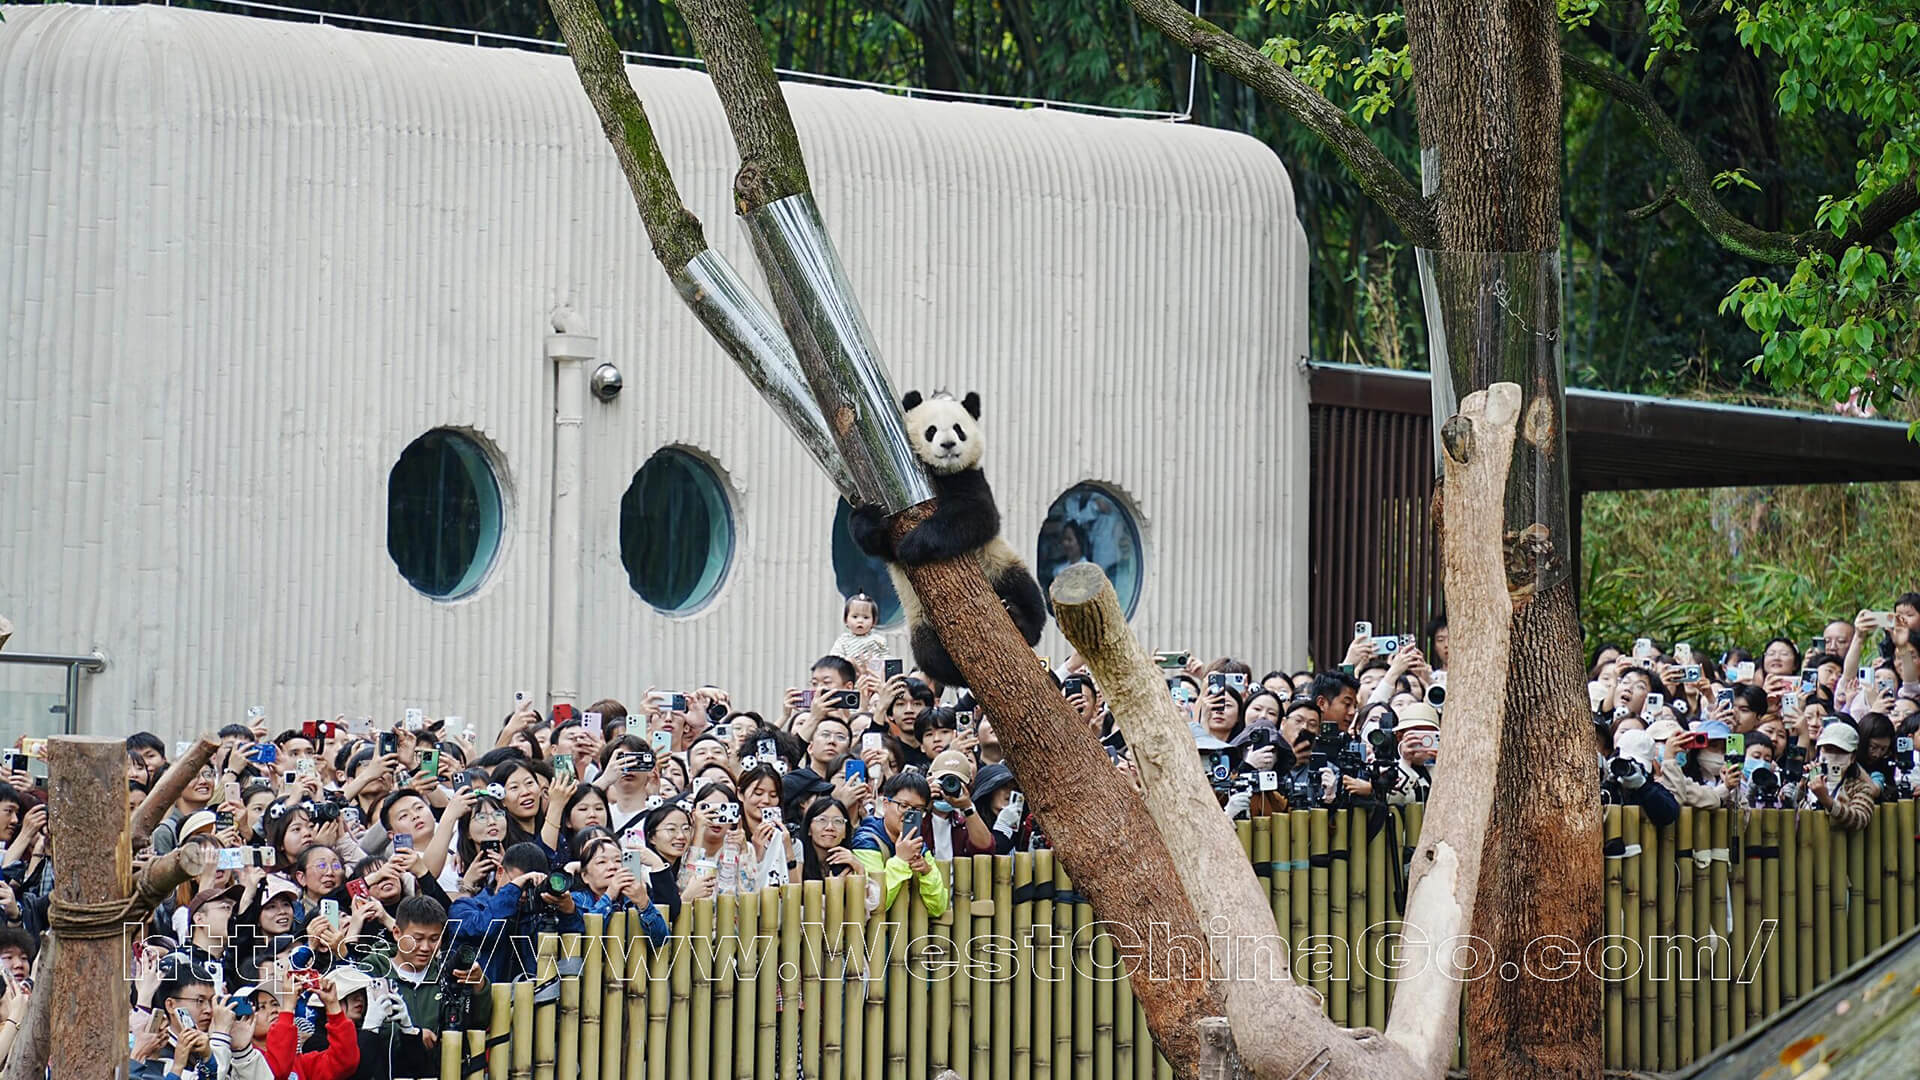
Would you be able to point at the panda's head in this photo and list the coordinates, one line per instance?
(945, 432)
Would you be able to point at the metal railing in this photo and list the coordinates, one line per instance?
(92, 663)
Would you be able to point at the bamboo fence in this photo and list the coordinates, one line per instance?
(1712, 924)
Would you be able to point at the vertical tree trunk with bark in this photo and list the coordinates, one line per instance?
(1489, 113)
(87, 778)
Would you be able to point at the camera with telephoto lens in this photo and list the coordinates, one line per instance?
(456, 1002)
(949, 784)
(323, 811)
(1793, 764)
(1335, 749)
(1763, 786)
(1623, 775)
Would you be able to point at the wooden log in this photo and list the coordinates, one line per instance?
(86, 784)
(166, 791)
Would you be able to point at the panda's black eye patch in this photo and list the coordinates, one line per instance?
(931, 432)
(958, 433)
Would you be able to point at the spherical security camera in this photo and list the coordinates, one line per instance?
(606, 382)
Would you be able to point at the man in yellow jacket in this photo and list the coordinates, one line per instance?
(889, 845)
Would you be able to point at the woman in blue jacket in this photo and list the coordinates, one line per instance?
(606, 885)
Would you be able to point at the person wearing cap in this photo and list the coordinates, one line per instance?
(339, 1055)
(210, 927)
(238, 1039)
(1418, 736)
(954, 827)
(1693, 764)
(1635, 788)
(1837, 784)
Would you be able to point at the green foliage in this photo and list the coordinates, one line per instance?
(1740, 565)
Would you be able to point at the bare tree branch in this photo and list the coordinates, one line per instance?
(1379, 179)
(676, 234)
(1695, 188)
(771, 165)
(161, 797)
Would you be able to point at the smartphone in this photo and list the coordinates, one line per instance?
(593, 721)
(631, 862)
(1724, 697)
(1809, 680)
(1362, 629)
(1643, 648)
(289, 778)
(805, 700)
(963, 723)
(1736, 747)
(231, 793)
(1744, 672)
(185, 1019)
(1691, 673)
(723, 732)
(310, 728)
(871, 741)
(563, 766)
(16, 761)
(264, 754)
(389, 743)
(677, 703)
(1216, 683)
(856, 770)
(402, 841)
(430, 762)
(416, 719)
(910, 822)
(845, 699)
(1171, 661)
(1017, 800)
(306, 766)
(662, 742)
(222, 820)
(770, 813)
(255, 713)
(1683, 652)
(893, 667)
(1268, 780)
(330, 911)
(357, 888)
(520, 699)
(1656, 701)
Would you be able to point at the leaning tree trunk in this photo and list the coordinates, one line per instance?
(1489, 113)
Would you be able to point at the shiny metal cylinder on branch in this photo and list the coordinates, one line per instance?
(752, 336)
(1494, 316)
(837, 352)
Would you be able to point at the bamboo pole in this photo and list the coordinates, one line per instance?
(990, 998)
(1042, 975)
(746, 1001)
(880, 943)
(1299, 886)
(726, 924)
(1890, 926)
(1750, 1005)
(1719, 914)
(938, 978)
(1379, 910)
(1106, 1033)
(1022, 1014)
(1338, 893)
(1653, 853)
(1872, 924)
(1805, 903)
(1355, 932)
(1816, 825)
(812, 954)
(1614, 1031)
(1628, 1026)
(522, 1032)
(830, 1019)
(787, 998)
(919, 1022)
(451, 1045)
(958, 926)
(680, 1005)
(567, 1053)
(1085, 990)
(546, 967)
(1908, 825)
(1064, 986)
(613, 1008)
(1125, 1044)
(1702, 927)
(700, 1007)
(499, 1027)
(1857, 878)
(638, 981)
(859, 970)
(1676, 917)
(766, 1009)
(659, 1001)
(593, 958)
(1320, 906)
(1146, 1058)
(1779, 955)
(899, 990)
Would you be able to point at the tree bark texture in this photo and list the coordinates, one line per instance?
(771, 165)
(1276, 1024)
(675, 232)
(87, 778)
(161, 797)
(1488, 84)
(1445, 876)
(1098, 825)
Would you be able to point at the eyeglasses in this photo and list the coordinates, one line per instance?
(323, 866)
(207, 772)
(489, 814)
(673, 830)
(904, 805)
(198, 1001)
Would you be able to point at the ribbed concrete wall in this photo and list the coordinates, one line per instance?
(244, 263)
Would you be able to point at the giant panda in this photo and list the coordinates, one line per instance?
(947, 438)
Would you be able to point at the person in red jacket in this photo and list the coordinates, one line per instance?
(342, 1054)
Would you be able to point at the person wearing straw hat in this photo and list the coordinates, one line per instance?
(1837, 784)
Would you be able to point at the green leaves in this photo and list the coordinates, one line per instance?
(1357, 59)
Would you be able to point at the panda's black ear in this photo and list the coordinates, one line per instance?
(971, 403)
(911, 401)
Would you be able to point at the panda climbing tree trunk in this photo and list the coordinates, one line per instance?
(1071, 785)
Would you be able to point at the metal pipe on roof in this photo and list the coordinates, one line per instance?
(570, 351)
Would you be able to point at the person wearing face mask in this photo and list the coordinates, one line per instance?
(1837, 784)
(1682, 769)
(1635, 786)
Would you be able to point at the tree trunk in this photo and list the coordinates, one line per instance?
(87, 778)
(1489, 100)
(161, 797)
(1088, 812)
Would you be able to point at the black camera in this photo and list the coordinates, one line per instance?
(557, 884)
(1765, 784)
(949, 784)
(638, 761)
(456, 1003)
(323, 812)
(1073, 684)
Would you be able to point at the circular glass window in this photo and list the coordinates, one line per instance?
(443, 514)
(1090, 524)
(676, 532)
(856, 572)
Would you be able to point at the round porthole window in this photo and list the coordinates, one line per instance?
(856, 572)
(676, 532)
(443, 514)
(1091, 524)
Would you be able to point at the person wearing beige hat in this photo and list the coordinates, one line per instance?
(1418, 734)
(1837, 784)
(954, 827)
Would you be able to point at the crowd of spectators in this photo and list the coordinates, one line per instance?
(373, 879)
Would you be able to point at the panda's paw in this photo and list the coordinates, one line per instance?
(920, 547)
(868, 525)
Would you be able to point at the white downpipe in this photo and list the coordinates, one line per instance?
(571, 353)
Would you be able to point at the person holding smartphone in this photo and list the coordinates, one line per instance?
(629, 776)
(610, 881)
(889, 844)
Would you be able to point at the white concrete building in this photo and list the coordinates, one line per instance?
(245, 265)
